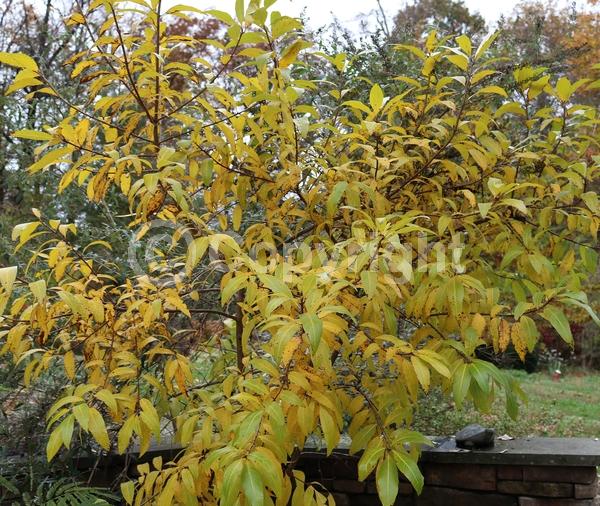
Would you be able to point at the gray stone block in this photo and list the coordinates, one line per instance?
(536, 488)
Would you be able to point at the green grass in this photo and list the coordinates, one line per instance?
(569, 407)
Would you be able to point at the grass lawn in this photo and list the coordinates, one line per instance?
(569, 407)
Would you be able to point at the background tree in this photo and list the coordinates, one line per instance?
(449, 17)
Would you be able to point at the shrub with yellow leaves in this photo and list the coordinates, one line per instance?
(356, 255)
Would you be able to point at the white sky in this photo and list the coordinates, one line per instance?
(321, 12)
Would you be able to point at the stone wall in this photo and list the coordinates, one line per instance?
(461, 484)
(521, 472)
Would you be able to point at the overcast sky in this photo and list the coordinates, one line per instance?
(321, 12)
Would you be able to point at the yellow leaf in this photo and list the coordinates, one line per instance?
(107, 398)
(33, 135)
(54, 444)
(460, 60)
(330, 430)
(465, 44)
(81, 66)
(97, 428)
(8, 275)
(125, 183)
(76, 19)
(291, 53)
(493, 90)
(504, 335)
(237, 218)
(125, 433)
(20, 60)
(150, 417)
(478, 323)
(376, 98)
(421, 371)
(69, 361)
(563, 89)
(50, 158)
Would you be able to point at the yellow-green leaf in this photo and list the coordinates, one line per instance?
(387, 481)
(252, 485)
(313, 327)
(408, 467)
(128, 491)
(376, 98)
(559, 321)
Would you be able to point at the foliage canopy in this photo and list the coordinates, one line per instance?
(358, 254)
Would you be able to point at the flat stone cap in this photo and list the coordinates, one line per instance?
(534, 451)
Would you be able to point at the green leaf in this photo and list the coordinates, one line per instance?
(248, 428)
(387, 481)
(517, 204)
(269, 469)
(276, 285)
(239, 10)
(207, 168)
(460, 385)
(313, 326)
(484, 208)
(558, 320)
(435, 360)
(589, 257)
(530, 332)
(221, 16)
(408, 467)
(362, 437)
(8, 485)
(183, 8)
(455, 294)
(252, 485)
(481, 376)
(335, 197)
(232, 483)
(231, 287)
